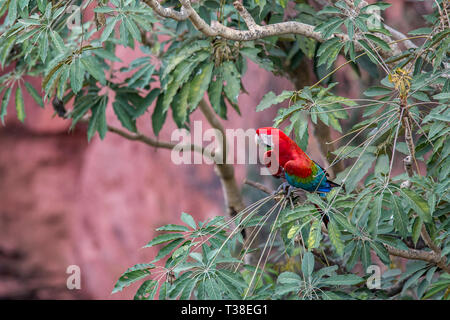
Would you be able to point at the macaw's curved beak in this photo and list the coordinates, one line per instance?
(264, 139)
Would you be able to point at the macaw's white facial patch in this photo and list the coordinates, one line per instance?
(264, 139)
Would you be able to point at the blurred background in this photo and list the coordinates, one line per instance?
(64, 201)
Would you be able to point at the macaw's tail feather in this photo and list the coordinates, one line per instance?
(326, 187)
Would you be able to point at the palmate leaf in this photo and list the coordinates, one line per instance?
(182, 54)
(180, 105)
(335, 237)
(97, 122)
(76, 75)
(379, 42)
(307, 264)
(381, 252)
(34, 94)
(342, 280)
(271, 98)
(125, 114)
(132, 275)
(147, 290)
(5, 49)
(400, 218)
(375, 215)
(94, 68)
(20, 105)
(315, 234)
(199, 84)
(215, 95)
(179, 77)
(233, 81)
(418, 204)
(187, 218)
(167, 249)
(166, 237)
(158, 115)
(4, 106)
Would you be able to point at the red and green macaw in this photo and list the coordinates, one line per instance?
(292, 162)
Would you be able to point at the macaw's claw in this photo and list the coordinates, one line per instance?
(286, 189)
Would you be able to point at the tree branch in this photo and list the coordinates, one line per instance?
(429, 256)
(217, 29)
(233, 197)
(258, 186)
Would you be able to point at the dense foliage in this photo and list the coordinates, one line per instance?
(403, 123)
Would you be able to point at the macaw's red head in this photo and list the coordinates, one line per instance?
(277, 141)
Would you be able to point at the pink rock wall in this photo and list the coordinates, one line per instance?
(64, 201)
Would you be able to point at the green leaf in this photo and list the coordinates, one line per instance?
(146, 70)
(109, 27)
(381, 5)
(147, 290)
(289, 277)
(416, 229)
(5, 102)
(159, 115)
(366, 259)
(132, 28)
(370, 53)
(381, 252)
(173, 228)
(97, 122)
(163, 238)
(358, 172)
(20, 105)
(57, 41)
(342, 280)
(76, 75)
(167, 249)
(34, 94)
(301, 131)
(182, 54)
(6, 48)
(442, 96)
(188, 289)
(231, 289)
(335, 237)
(293, 230)
(375, 215)
(43, 46)
(233, 81)
(380, 42)
(187, 218)
(418, 204)
(199, 84)
(180, 105)
(329, 10)
(252, 54)
(215, 95)
(308, 264)
(148, 100)
(12, 12)
(377, 91)
(133, 274)
(400, 218)
(314, 234)
(270, 99)
(94, 68)
(125, 113)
